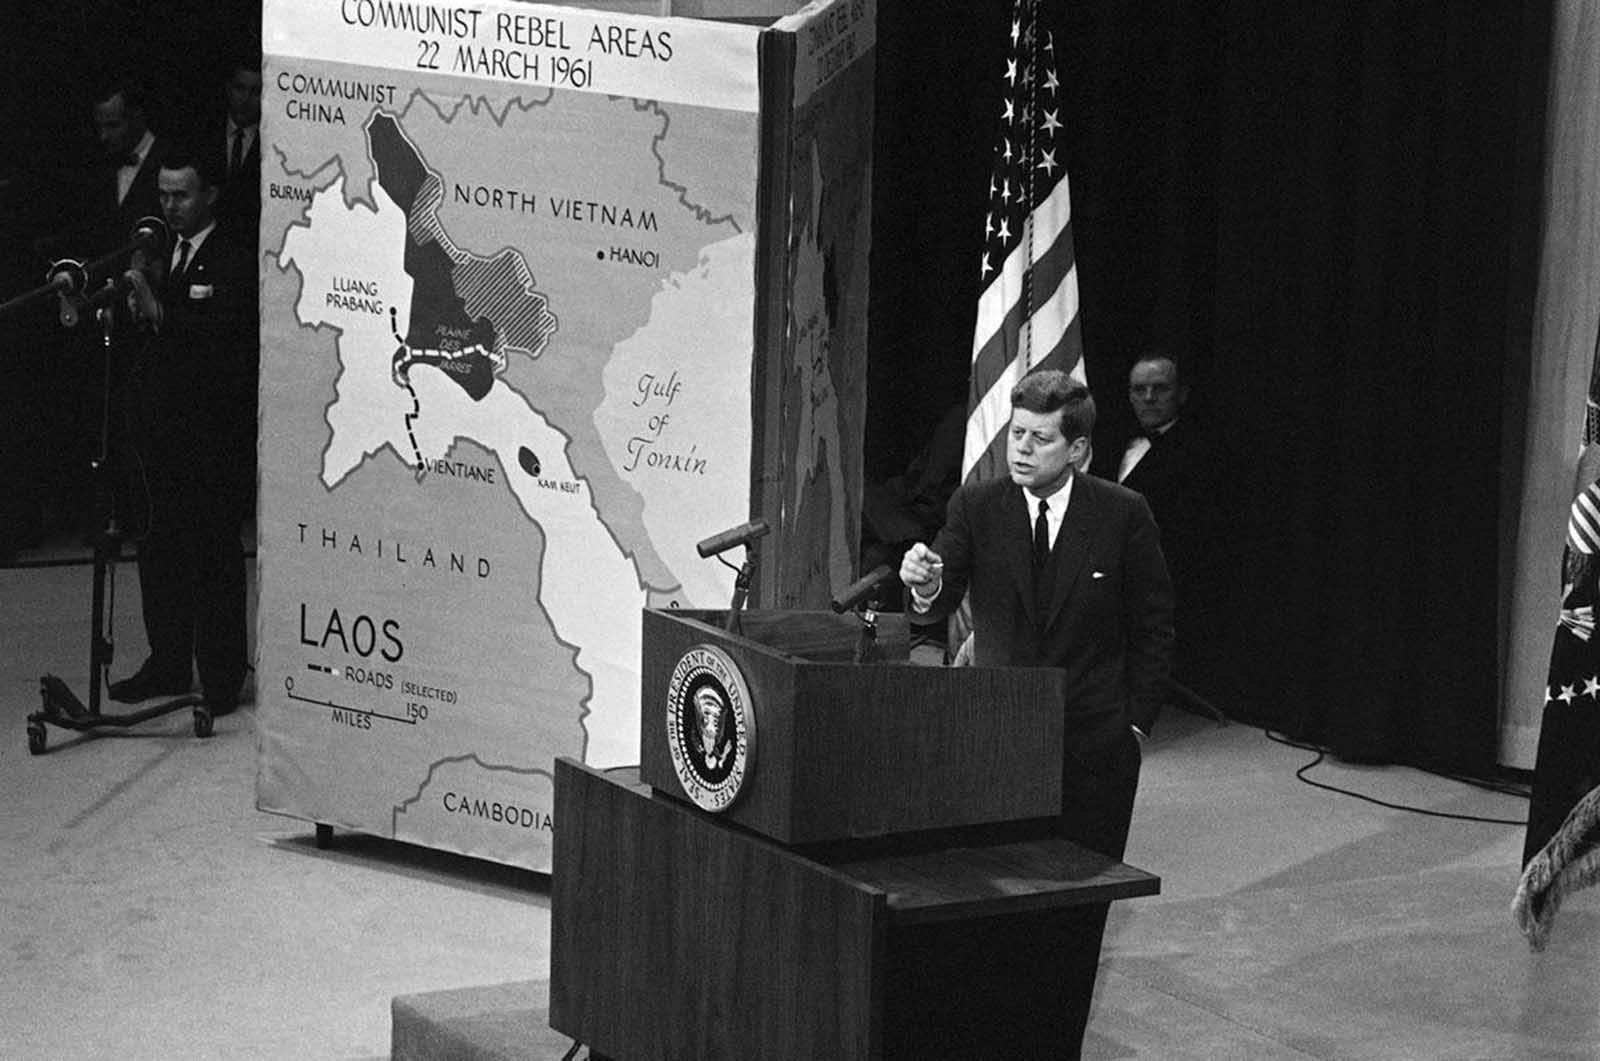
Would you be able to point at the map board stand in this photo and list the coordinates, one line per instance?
(547, 294)
(888, 805)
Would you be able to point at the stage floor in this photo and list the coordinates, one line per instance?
(152, 912)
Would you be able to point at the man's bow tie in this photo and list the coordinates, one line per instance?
(1154, 434)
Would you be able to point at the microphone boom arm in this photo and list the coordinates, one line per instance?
(69, 277)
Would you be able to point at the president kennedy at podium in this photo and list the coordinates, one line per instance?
(1064, 570)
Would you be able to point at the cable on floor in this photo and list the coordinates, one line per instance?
(1322, 753)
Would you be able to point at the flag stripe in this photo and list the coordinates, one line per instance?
(1044, 228)
(1583, 529)
(987, 422)
(1067, 354)
(1056, 275)
(1050, 324)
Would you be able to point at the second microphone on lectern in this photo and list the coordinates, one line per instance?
(863, 588)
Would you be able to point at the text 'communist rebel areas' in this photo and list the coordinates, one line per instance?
(515, 46)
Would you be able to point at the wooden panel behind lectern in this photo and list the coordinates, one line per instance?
(670, 938)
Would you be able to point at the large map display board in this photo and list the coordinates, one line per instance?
(507, 337)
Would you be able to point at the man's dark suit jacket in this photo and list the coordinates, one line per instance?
(196, 426)
(1108, 622)
(113, 221)
(1175, 477)
(238, 205)
(1163, 475)
(197, 385)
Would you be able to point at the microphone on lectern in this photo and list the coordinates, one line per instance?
(862, 588)
(743, 534)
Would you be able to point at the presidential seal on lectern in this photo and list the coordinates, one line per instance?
(711, 727)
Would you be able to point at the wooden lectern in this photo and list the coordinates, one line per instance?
(877, 800)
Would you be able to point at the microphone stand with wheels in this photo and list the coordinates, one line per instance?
(61, 706)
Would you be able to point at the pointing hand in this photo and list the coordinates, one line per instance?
(922, 568)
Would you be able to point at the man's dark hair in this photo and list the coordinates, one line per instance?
(246, 59)
(184, 157)
(129, 87)
(1050, 390)
(1159, 353)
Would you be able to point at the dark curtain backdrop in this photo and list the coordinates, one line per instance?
(1331, 211)
(52, 57)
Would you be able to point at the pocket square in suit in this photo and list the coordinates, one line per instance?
(1097, 574)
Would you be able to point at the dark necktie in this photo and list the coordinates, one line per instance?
(1041, 557)
(236, 156)
(1041, 536)
(183, 260)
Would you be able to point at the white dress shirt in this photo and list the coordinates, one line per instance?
(1052, 518)
(1138, 446)
(1057, 510)
(130, 169)
(194, 247)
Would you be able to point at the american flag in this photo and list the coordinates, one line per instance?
(1583, 526)
(1028, 308)
(1567, 769)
